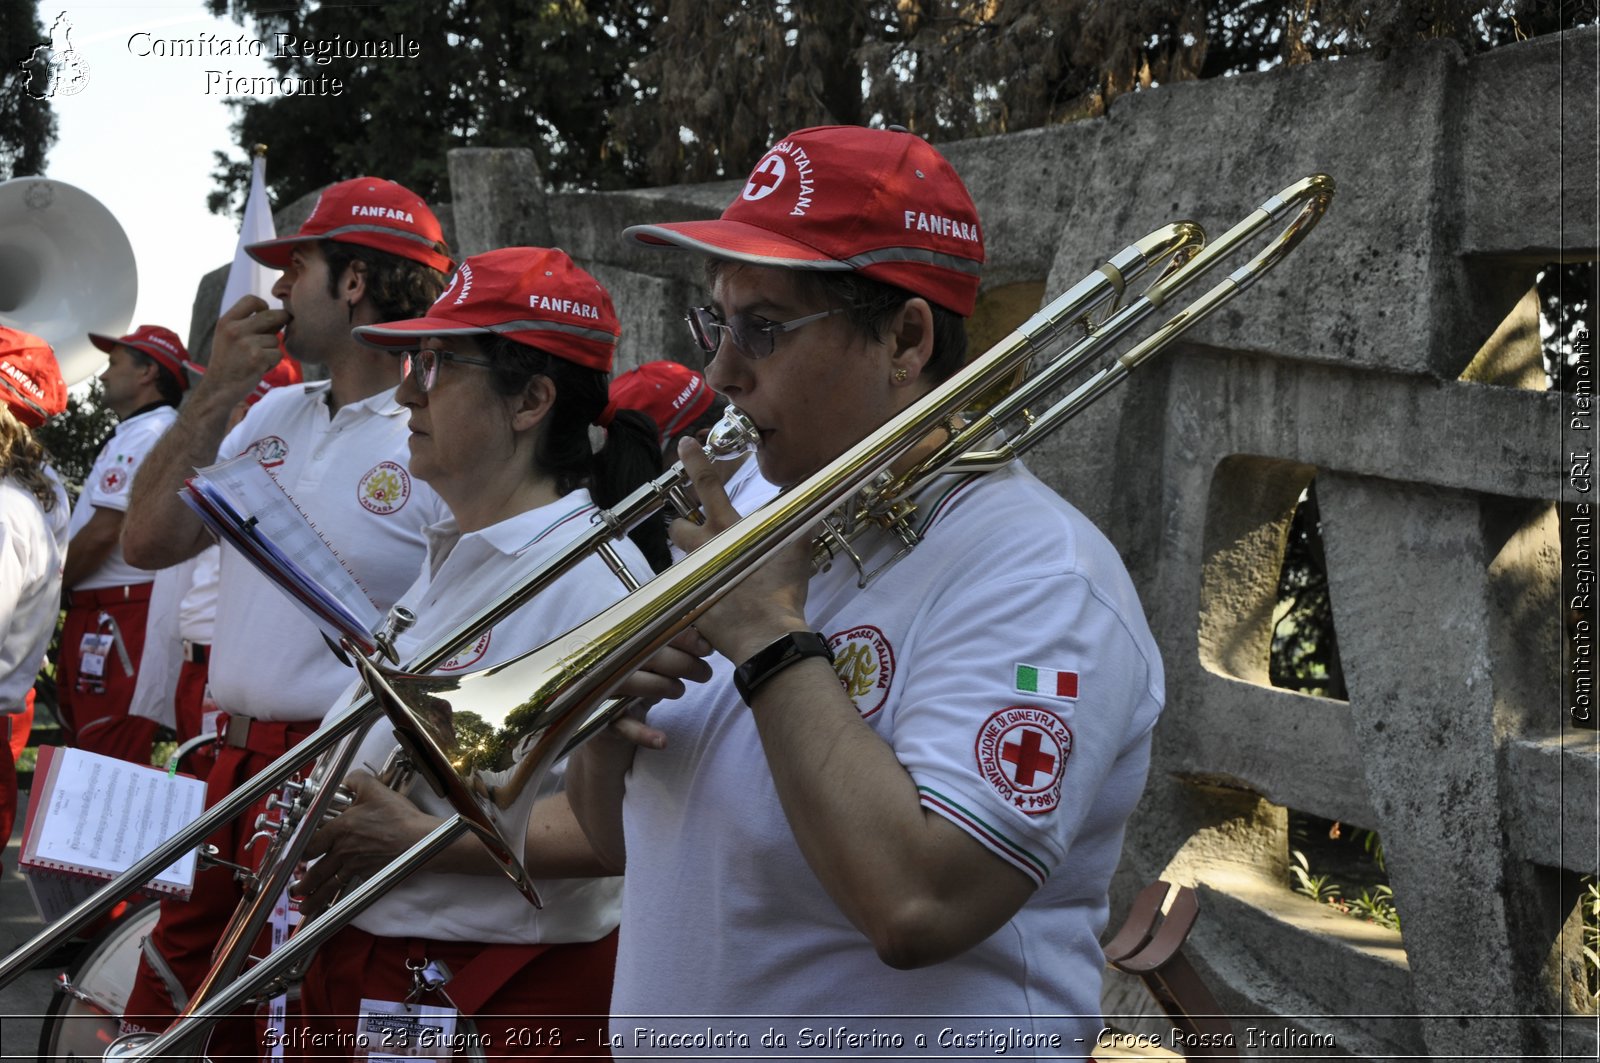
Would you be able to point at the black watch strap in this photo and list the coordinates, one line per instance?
(780, 654)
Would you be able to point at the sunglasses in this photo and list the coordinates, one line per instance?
(423, 365)
(753, 336)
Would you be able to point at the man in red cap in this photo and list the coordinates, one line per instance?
(901, 797)
(107, 597)
(370, 251)
(33, 537)
(174, 672)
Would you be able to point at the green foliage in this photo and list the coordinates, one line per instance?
(27, 125)
(1590, 915)
(1377, 906)
(624, 93)
(1319, 888)
(1374, 848)
(74, 438)
(1305, 649)
(544, 75)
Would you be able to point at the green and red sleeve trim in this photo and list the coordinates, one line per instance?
(990, 836)
(939, 505)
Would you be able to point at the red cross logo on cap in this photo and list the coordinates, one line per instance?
(766, 177)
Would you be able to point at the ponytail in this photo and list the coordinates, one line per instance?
(631, 454)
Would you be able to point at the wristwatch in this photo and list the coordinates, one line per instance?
(774, 658)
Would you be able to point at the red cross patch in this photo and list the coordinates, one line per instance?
(1022, 752)
(765, 178)
(113, 481)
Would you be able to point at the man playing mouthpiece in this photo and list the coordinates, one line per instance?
(370, 251)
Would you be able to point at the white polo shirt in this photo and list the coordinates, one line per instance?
(108, 487)
(347, 472)
(1008, 664)
(33, 547)
(183, 605)
(462, 573)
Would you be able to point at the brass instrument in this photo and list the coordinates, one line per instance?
(540, 704)
(66, 270)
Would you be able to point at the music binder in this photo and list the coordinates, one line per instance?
(91, 817)
(245, 507)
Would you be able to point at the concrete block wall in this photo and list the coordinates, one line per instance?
(1393, 362)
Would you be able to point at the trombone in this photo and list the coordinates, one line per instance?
(545, 701)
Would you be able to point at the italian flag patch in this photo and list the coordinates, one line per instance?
(1051, 682)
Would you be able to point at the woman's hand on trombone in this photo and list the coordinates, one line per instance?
(377, 826)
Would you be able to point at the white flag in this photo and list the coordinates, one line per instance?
(247, 276)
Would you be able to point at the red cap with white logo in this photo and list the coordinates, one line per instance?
(878, 201)
(287, 371)
(672, 395)
(532, 295)
(30, 380)
(368, 211)
(159, 343)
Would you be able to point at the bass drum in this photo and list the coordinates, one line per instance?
(84, 1020)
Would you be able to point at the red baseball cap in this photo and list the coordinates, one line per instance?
(368, 211)
(159, 343)
(30, 380)
(672, 395)
(532, 295)
(287, 371)
(878, 201)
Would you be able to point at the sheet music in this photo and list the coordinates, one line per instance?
(100, 815)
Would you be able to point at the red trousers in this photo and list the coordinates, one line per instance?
(8, 776)
(188, 705)
(526, 1001)
(94, 707)
(188, 931)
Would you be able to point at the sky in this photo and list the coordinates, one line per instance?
(139, 137)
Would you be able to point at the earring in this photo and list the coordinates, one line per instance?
(900, 376)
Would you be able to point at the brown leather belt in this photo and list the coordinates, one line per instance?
(267, 737)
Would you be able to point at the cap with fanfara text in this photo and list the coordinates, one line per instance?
(532, 295)
(370, 212)
(161, 344)
(881, 202)
(287, 371)
(673, 395)
(31, 384)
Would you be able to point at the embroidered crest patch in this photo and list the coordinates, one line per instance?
(469, 656)
(385, 488)
(1022, 751)
(269, 451)
(113, 481)
(864, 662)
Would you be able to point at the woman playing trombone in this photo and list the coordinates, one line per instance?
(506, 381)
(906, 800)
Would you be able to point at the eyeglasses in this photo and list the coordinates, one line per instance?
(424, 363)
(753, 336)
